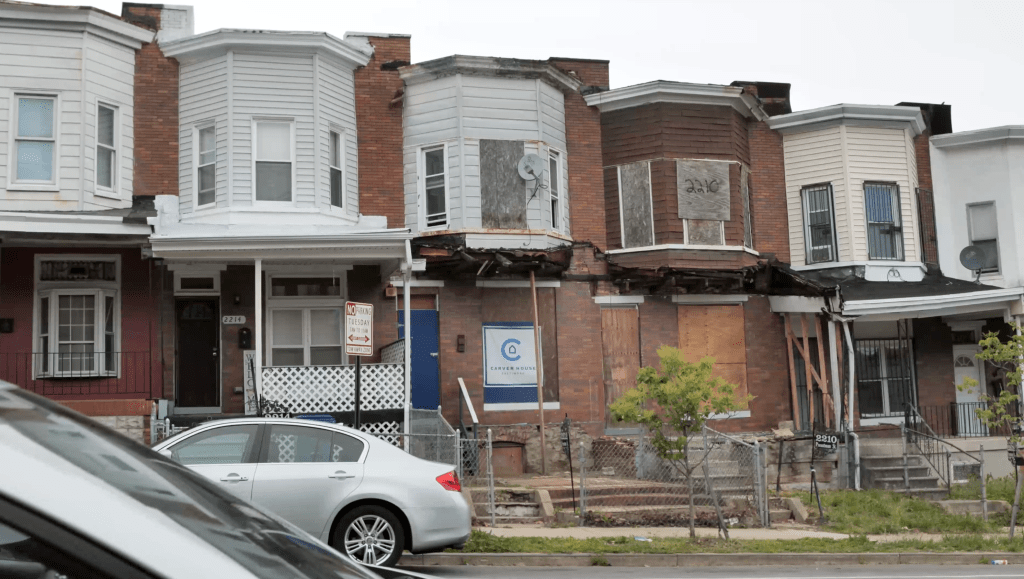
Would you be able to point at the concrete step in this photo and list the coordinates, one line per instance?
(645, 500)
(895, 483)
(891, 461)
(891, 471)
(509, 520)
(780, 515)
(515, 510)
(927, 493)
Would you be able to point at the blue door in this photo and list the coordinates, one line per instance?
(426, 391)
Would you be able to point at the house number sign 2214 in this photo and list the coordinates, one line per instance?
(232, 320)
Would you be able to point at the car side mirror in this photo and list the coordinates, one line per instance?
(166, 452)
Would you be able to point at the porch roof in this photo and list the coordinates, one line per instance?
(312, 243)
(926, 302)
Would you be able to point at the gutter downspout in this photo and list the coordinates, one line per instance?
(407, 342)
(853, 381)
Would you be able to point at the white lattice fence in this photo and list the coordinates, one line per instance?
(393, 353)
(383, 430)
(308, 389)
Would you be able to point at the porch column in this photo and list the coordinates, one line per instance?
(407, 343)
(837, 396)
(852, 380)
(258, 330)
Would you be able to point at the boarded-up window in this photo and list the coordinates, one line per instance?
(703, 190)
(748, 230)
(701, 232)
(716, 331)
(635, 205)
(502, 190)
(620, 331)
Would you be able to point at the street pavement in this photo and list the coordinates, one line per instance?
(977, 571)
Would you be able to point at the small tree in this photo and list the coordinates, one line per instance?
(1001, 411)
(685, 396)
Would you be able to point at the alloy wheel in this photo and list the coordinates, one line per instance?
(370, 539)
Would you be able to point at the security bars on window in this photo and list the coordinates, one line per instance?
(819, 224)
(885, 227)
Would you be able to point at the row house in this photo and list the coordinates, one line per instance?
(78, 174)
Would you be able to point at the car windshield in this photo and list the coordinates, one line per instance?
(261, 543)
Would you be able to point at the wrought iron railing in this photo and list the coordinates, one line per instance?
(960, 420)
(936, 451)
(83, 373)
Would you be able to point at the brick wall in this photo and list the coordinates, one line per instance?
(379, 127)
(583, 138)
(925, 198)
(933, 359)
(768, 210)
(156, 110)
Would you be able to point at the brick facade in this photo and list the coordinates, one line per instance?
(379, 128)
(925, 198)
(768, 209)
(156, 110)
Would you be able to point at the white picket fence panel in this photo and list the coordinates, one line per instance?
(310, 389)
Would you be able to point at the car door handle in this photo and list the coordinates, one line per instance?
(341, 475)
(234, 478)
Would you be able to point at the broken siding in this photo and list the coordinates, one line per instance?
(269, 86)
(336, 92)
(202, 97)
(882, 155)
(811, 158)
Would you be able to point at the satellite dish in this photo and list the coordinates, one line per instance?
(531, 167)
(973, 257)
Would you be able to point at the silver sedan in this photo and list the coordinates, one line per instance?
(358, 493)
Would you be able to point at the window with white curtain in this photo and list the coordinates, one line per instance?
(274, 161)
(35, 139)
(206, 166)
(307, 336)
(106, 147)
(981, 221)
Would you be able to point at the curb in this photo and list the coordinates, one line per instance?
(704, 559)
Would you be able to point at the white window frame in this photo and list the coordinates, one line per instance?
(897, 221)
(12, 177)
(421, 168)
(305, 304)
(970, 234)
(342, 159)
(291, 147)
(197, 160)
(52, 290)
(559, 198)
(808, 248)
(115, 171)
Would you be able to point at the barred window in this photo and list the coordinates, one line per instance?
(819, 224)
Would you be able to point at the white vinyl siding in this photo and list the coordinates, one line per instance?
(206, 165)
(106, 149)
(458, 111)
(338, 113)
(73, 67)
(848, 157)
(202, 100)
(983, 231)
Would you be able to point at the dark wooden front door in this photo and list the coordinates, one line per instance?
(198, 351)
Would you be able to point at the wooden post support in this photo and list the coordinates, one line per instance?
(792, 372)
(822, 376)
(808, 368)
(540, 373)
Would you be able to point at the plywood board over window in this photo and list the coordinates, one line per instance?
(635, 205)
(716, 331)
(502, 190)
(620, 331)
(703, 190)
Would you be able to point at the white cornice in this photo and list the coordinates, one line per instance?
(76, 19)
(909, 305)
(70, 224)
(849, 114)
(663, 91)
(1006, 133)
(218, 42)
(489, 66)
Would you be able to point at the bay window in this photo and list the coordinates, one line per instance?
(435, 190)
(35, 140)
(206, 166)
(106, 147)
(336, 149)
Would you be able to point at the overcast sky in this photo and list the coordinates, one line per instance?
(969, 54)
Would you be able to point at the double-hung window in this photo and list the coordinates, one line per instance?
(306, 322)
(885, 226)
(77, 316)
(106, 147)
(981, 221)
(206, 165)
(35, 140)
(555, 190)
(819, 224)
(273, 161)
(337, 147)
(435, 187)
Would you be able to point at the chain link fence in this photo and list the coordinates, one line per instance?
(624, 481)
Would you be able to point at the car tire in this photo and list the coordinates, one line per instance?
(370, 534)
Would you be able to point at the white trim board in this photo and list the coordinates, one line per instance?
(618, 300)
(513, 406)
(731, 415)
(697, 299)
(682, 246)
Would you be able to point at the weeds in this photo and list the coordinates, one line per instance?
(883, 512)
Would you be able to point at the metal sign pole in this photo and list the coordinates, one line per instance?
(538, 361)
(358, 419)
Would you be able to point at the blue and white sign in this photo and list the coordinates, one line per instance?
(510, 363)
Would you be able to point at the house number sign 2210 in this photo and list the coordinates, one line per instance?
(233, 320)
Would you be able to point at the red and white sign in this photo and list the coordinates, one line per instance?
(358, 329)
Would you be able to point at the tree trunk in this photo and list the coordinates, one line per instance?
(1016, 502)
(693, 512)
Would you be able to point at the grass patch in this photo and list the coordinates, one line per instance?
(599, 562)
(996, 489)
(480, 542)
(884, 512)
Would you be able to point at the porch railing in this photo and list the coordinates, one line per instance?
(960, 420)
(82, 373)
